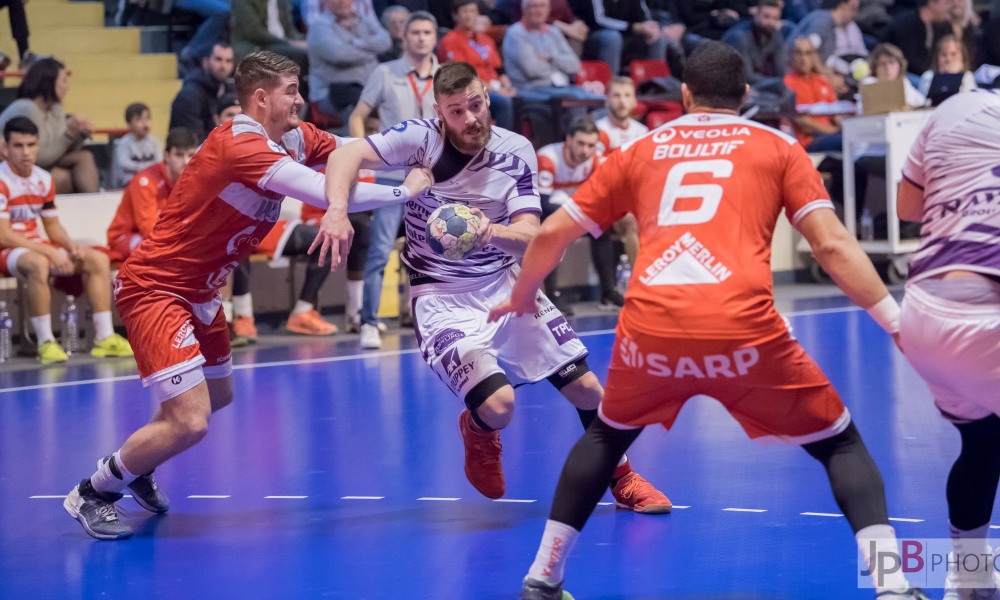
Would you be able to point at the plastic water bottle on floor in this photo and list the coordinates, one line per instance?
(69, 325)
(867, 226)
(6, 325)
(624, 274)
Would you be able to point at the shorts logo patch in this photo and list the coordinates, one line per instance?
(176, 380)
(561, 330)
(117, 287)
(451, 362)
(567, 371)
(184, 336)
(630, 354)
(445, 339)
(709, 366)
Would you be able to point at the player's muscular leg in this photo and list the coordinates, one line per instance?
(35, 269)
(183, 423)
(584, 393)
(498, 409)
(96, 268)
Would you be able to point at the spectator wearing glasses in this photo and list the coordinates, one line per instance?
(816, 134)
(394, 22)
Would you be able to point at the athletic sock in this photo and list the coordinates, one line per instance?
(884, 538)
(973, 542)
(355, 297)
(550, 562)
(624, 468)
(243, 305)
(103, 326)
(43, 328)
(227, 309)
(111, 476)
(301, 306)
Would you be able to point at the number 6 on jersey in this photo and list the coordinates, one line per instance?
(710, 193)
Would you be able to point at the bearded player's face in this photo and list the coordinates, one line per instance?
(466, 117)
(284, 102)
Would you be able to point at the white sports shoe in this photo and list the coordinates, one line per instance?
(370, 338)
(953, 592)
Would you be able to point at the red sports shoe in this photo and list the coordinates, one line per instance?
(482, 458)
(632, 492)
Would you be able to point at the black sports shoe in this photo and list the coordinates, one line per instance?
(563, 304)
(145, 491)
(612, 301)
(532, 589)
(97, 512)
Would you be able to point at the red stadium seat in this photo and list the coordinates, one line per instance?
(659, 117)
(594, 76)
(644, 70)
(322, 120)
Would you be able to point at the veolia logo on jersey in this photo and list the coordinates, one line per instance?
(662, 137)
(245, 236)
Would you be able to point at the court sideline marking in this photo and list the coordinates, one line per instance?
(333, 359)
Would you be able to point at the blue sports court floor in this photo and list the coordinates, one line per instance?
(337, 474)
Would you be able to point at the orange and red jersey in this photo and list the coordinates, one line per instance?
(24, 199)
(220, 209)
(810, 90)
(706, 190)
(477, 49)
(556, 178)
(141, 203)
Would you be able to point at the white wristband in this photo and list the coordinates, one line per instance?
(886, 313)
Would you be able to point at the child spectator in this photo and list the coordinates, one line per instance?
(137, 149)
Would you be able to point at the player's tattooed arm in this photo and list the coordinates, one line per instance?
(512, 239)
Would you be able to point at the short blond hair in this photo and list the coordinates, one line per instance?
(621, 80)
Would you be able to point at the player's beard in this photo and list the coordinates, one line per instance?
(472, 139)
(621, 114)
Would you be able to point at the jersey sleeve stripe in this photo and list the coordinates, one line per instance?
(582, 219)
(913, 183)
(808, 208)
(375, 148)
(266, 177)
(50, 213)
(522, 211)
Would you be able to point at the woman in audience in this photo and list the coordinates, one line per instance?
(965, 23)
(950, 56)
(887, 63)
(815, 133)
(61, 136)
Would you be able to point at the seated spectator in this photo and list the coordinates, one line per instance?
(873, 17)
(560, 16)
(394, 22)
(950, 56)
(267, 25)
(537, 56)
(834, 33)
(27, 193)
(61, 136)
(965, 26)
(144, 196)
(819, 133)
(227, 108)
(137, 149)
(466, 44)
(759, 42)
(917, 32)
(888, 64)
(343, 52)
(196, 105)
(617, 25)
(711, 18)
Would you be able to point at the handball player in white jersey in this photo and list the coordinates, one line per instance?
(494, 172)
(950, 322)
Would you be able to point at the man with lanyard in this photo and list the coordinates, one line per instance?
(400, 90)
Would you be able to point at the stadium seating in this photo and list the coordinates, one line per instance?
(644, 70)
(594, 76)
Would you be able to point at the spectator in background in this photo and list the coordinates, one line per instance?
(466, 44)
(394, 22)
(137, 149)
(888, 64)
(561, 17)
(965, 26)
(834, 33)
(196, 105)
(537, 56)
(19, 30)
(620, 25)
(759, 42)
(144, 195)
(873, 17)
(711, 18)
(399, 90)
(917, 32)
(343, 52)
(267, 25)
(821, 133)
(227, 108)
(950, 56)
(60, 136)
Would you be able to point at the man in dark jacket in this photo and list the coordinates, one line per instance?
(196, 103)
(617, 24)
(917, 32)
(759, 42)
(711, 18)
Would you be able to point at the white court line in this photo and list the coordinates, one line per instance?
(63, 497)
(515, 501)
(605, 503)
(994, 526)
(906, 520)
(285, 497)
(751, 510)
(331, 359)
(676, 506)
(814, 514)
(431, 499)
(362, 497)
(207, 497)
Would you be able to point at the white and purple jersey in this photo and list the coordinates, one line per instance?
(956, 162)
(501, 180)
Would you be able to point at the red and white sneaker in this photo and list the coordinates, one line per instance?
(483, 467)
(632, 492)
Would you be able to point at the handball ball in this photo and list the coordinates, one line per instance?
(451, 231)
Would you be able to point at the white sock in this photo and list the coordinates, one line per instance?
(884, 539)
(43, 328)
(355, 297)
(972, 543)
(102, 325)
(105, 480)
(227, 309)
(301, 306)
(550, 562)
(243, 305)
(623, 460)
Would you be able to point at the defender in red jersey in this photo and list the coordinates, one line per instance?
(699, 317)
(224, 203)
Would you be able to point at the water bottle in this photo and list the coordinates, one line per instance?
(624, 273)
(867, 225)
(6, 325)
(69, 323)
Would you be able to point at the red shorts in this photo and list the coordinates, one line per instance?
(772, 388)
(171, 335)
(121, 247)
(67, 284)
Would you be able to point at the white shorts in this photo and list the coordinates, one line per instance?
(463, 349)
(955, 348)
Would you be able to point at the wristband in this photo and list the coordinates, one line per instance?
(402, 192)
(886, 313)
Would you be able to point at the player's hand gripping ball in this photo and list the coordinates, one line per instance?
(452, 231)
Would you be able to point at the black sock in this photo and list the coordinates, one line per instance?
(854, 477)
(972, 483)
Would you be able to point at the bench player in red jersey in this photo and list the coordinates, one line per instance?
(699, 316)
(226, 200)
